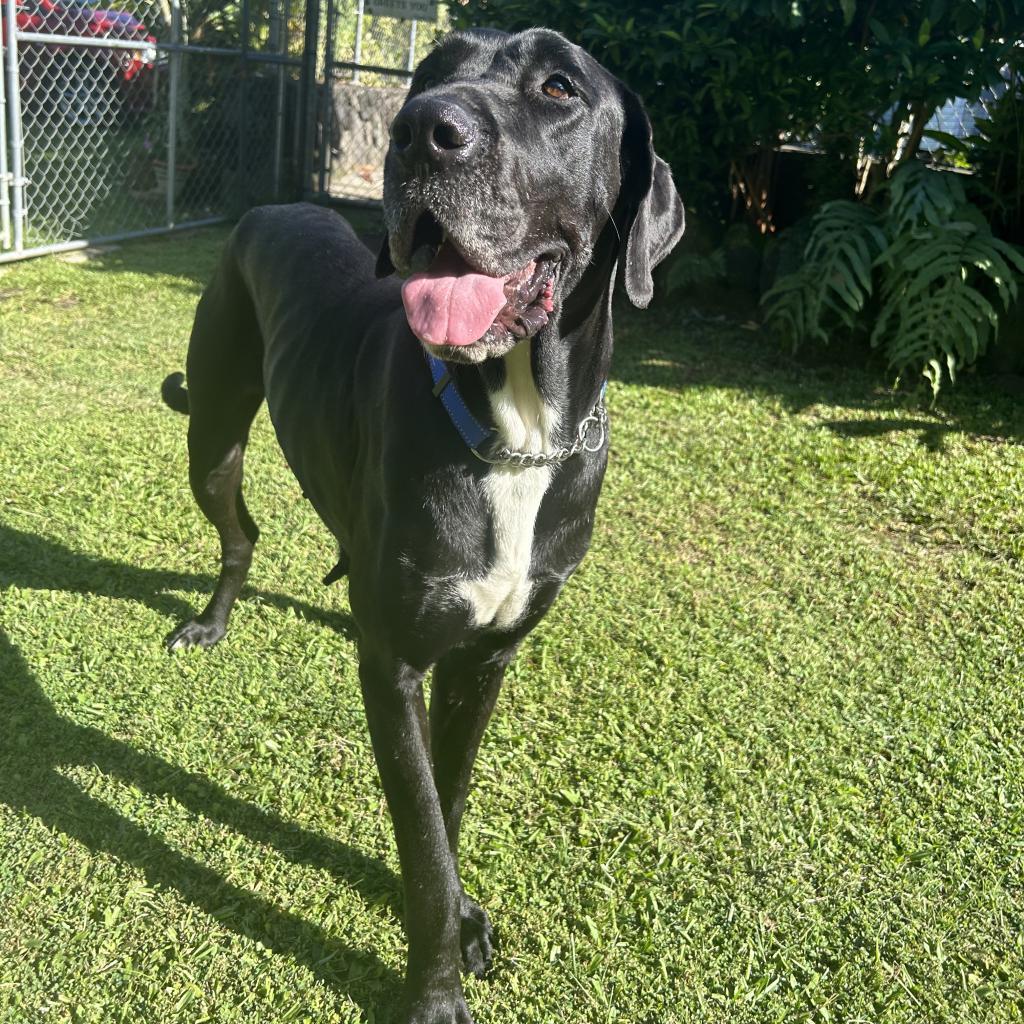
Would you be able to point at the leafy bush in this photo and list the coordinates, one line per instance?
(833, 285)
(929, 263)
(687, 270)
(726, 80)
(996, 157)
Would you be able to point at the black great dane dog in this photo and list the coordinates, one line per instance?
(449, 430)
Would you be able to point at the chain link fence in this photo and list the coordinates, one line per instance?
(961, 119)
(162, 114)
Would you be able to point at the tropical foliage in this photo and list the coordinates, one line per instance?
(928, 268)
(728, 80)
(833, 285)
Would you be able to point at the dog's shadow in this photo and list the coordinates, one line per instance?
(41, 745)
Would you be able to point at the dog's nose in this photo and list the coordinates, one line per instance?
(433, 131)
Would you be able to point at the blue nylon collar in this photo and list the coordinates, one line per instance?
(463, 420)
(475, 435)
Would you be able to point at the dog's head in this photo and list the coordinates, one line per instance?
(508, 159)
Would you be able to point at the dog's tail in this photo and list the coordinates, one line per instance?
(174, 393)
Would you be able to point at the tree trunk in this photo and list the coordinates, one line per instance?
(911, 133)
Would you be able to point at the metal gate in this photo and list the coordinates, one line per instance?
(155, 115)
(369, 57)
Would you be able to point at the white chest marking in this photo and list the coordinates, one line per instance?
(525, 423)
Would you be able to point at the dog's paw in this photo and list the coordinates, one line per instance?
(476, 936)
(194, 634)
(447, 1009)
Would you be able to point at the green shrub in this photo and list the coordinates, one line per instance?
(726, 80)
(687, 270)
(996, 156)
(832, 286)
(928, 267)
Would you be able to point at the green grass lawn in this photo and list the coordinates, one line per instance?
(764, 761)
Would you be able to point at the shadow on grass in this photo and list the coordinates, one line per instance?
(931, 434)
(682, 350)
(41, 742)
(35, 563)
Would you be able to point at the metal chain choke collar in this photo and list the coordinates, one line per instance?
(508, 457)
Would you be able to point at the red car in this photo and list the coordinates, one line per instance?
(83, 85)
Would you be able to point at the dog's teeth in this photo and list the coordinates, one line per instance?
(422, 258)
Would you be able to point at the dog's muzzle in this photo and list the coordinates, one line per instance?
(430, 134)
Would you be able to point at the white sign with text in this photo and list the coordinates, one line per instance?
(421, 10)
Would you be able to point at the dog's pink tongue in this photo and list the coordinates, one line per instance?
(451, 304)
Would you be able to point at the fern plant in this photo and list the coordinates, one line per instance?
(935, 314)
(834, 283)
(919, 196)
(931, 261)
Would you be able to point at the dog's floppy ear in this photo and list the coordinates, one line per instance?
(384, 268)
(653, 218)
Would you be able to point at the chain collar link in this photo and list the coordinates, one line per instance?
(598, 417)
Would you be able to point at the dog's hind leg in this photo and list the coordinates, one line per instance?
(215, 472)
(463, 694)
(216, 445)
(225, 392)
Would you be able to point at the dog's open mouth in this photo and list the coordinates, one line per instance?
(448, 302)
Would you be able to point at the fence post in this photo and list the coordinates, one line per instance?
(307, 107)
(278, 45)
(17, 169)
(5, 197)
(327, 120)
(410, 64)
(243, 103)
(173, 85)
(357, 53)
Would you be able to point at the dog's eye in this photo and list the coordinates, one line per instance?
(557, 87)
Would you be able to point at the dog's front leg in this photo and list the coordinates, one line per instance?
(396, 714)
(465, 688)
